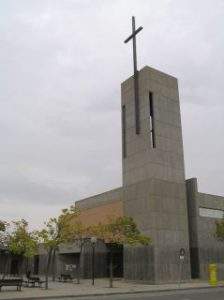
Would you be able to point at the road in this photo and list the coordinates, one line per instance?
(205, 294)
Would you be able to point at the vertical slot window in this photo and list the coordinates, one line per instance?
(124, 150)
(151, 120)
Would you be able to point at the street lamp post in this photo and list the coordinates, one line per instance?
(93, 243)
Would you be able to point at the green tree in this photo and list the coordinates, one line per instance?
(2, 226)
(57, 231)
(4, 241)
(118, 231)
(219, 232)
(22, 242)
(3, 234)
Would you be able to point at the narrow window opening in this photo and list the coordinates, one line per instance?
(124, 150)
(151, 120)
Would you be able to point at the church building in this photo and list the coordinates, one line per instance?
(178, 218)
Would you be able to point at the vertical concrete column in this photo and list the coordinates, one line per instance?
(154, 178)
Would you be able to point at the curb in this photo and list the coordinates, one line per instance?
(114, 293)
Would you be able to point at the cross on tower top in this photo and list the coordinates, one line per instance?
(133, 37)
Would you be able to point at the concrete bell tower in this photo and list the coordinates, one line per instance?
(154, 177)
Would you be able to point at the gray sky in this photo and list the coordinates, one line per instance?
(62, 62)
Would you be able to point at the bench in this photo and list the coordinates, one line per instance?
(11, 282)
(33, 280)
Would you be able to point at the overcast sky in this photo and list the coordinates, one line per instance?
(62, 62)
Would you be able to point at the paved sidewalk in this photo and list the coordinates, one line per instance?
(85, 288)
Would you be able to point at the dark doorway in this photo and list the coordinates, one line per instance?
(36, 265)
(117, 256)
(14, 270)
(195, 270)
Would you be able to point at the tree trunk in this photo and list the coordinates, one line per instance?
(21, 265)
(111, 269)
(27, 264)
(48, 267)
(78, 270)
(78, 267)
(53, 265)
(8, 264)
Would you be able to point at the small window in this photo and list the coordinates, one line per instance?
(124, 151)
(211, 213)
(151, 120)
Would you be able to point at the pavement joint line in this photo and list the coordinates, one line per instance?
(113, 293)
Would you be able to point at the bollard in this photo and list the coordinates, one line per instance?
(212, 269)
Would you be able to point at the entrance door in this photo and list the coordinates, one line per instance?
(118, 264)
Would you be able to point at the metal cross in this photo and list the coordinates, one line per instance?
(133, 37)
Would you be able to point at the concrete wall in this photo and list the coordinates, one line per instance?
(205, 248)
(154, 179)
(14, 264)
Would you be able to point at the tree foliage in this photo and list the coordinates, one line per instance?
(120, 230)
(22, 241)
(2, 226)
(4, 234)
(219, 233)
(58, 230)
